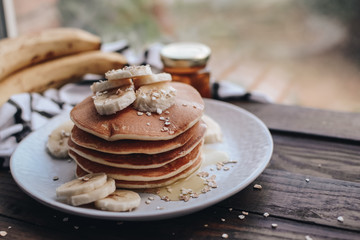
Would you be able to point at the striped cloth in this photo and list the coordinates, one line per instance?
(27, 112)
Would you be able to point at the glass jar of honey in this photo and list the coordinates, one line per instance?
(186, 62)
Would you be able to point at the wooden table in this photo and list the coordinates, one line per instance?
(313, 179)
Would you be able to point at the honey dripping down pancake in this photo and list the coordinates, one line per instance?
(166, 171)
(150, 184)
(129, 124)
(140, 160)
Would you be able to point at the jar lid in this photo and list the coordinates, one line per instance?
(185, 54)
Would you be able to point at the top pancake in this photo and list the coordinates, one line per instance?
(127, 124)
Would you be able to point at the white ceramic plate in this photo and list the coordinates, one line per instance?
(246, 140)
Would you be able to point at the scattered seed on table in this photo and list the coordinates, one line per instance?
(257, 186)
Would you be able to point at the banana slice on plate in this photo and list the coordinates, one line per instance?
(119, 201)
(106, 85)
(128, 72)
(57, 141)
(150, 79)
(96, 194)
(154, 97)
(213, 132)
(82, 185)
(110, 102)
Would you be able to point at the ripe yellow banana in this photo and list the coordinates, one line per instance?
(57, 72)
(18, 53)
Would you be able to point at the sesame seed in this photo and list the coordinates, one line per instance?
(140, 113)
(307, 237)
(167, 112)
(147, 201)
(223, 219)
(159, 208)
(158, 111)
(340, 219)
(3, 233)
(55, 178)
(230, 209)
(224, 235)
(206, 225)
(274, 225)
(148, 113)
(151, 198)
(245, 213)
(162, 118)
(184, 104)
(76, 227)
(167, 123)
(257, 186)
(148, 124)
(266, 214)
(307, 180)
(65, 219)
(241, 216)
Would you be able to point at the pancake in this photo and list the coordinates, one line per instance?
(127, 124)
(166, 171)
(89, 141)
(138, 161)
(150, 184)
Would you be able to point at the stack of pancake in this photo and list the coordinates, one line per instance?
(140, 150)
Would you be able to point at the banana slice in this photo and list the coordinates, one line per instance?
(96, 194)
(155, 97)
(213, 132)
(119, 201)
(81, 185)
(57, 141)
(106, 85)
(110, 102)
(128, 72)
(149, 79)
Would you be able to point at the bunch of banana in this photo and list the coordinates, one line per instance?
(50, 59)
(99, 189)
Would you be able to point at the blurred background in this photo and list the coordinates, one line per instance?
(303, 53)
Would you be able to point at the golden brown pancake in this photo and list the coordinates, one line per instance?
(150, 184)
(127, 124)
(90, 141)
(138, 161)
(169, 170)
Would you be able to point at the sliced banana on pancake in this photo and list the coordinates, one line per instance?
(150, 79)
(57, 141)
(96, 194)
(128, 72)
(213, 132)
(155, 97)
(110, 102)
(82, 185)
(119, 201)
(106, 85)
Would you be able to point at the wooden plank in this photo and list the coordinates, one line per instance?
(316, 157)
(288, 195)
(306, 120)
(296, 205)
(19, 230)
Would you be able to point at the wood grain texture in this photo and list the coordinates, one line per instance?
(306, 120)
(316, 157)
(290, 196)
(30, 220)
